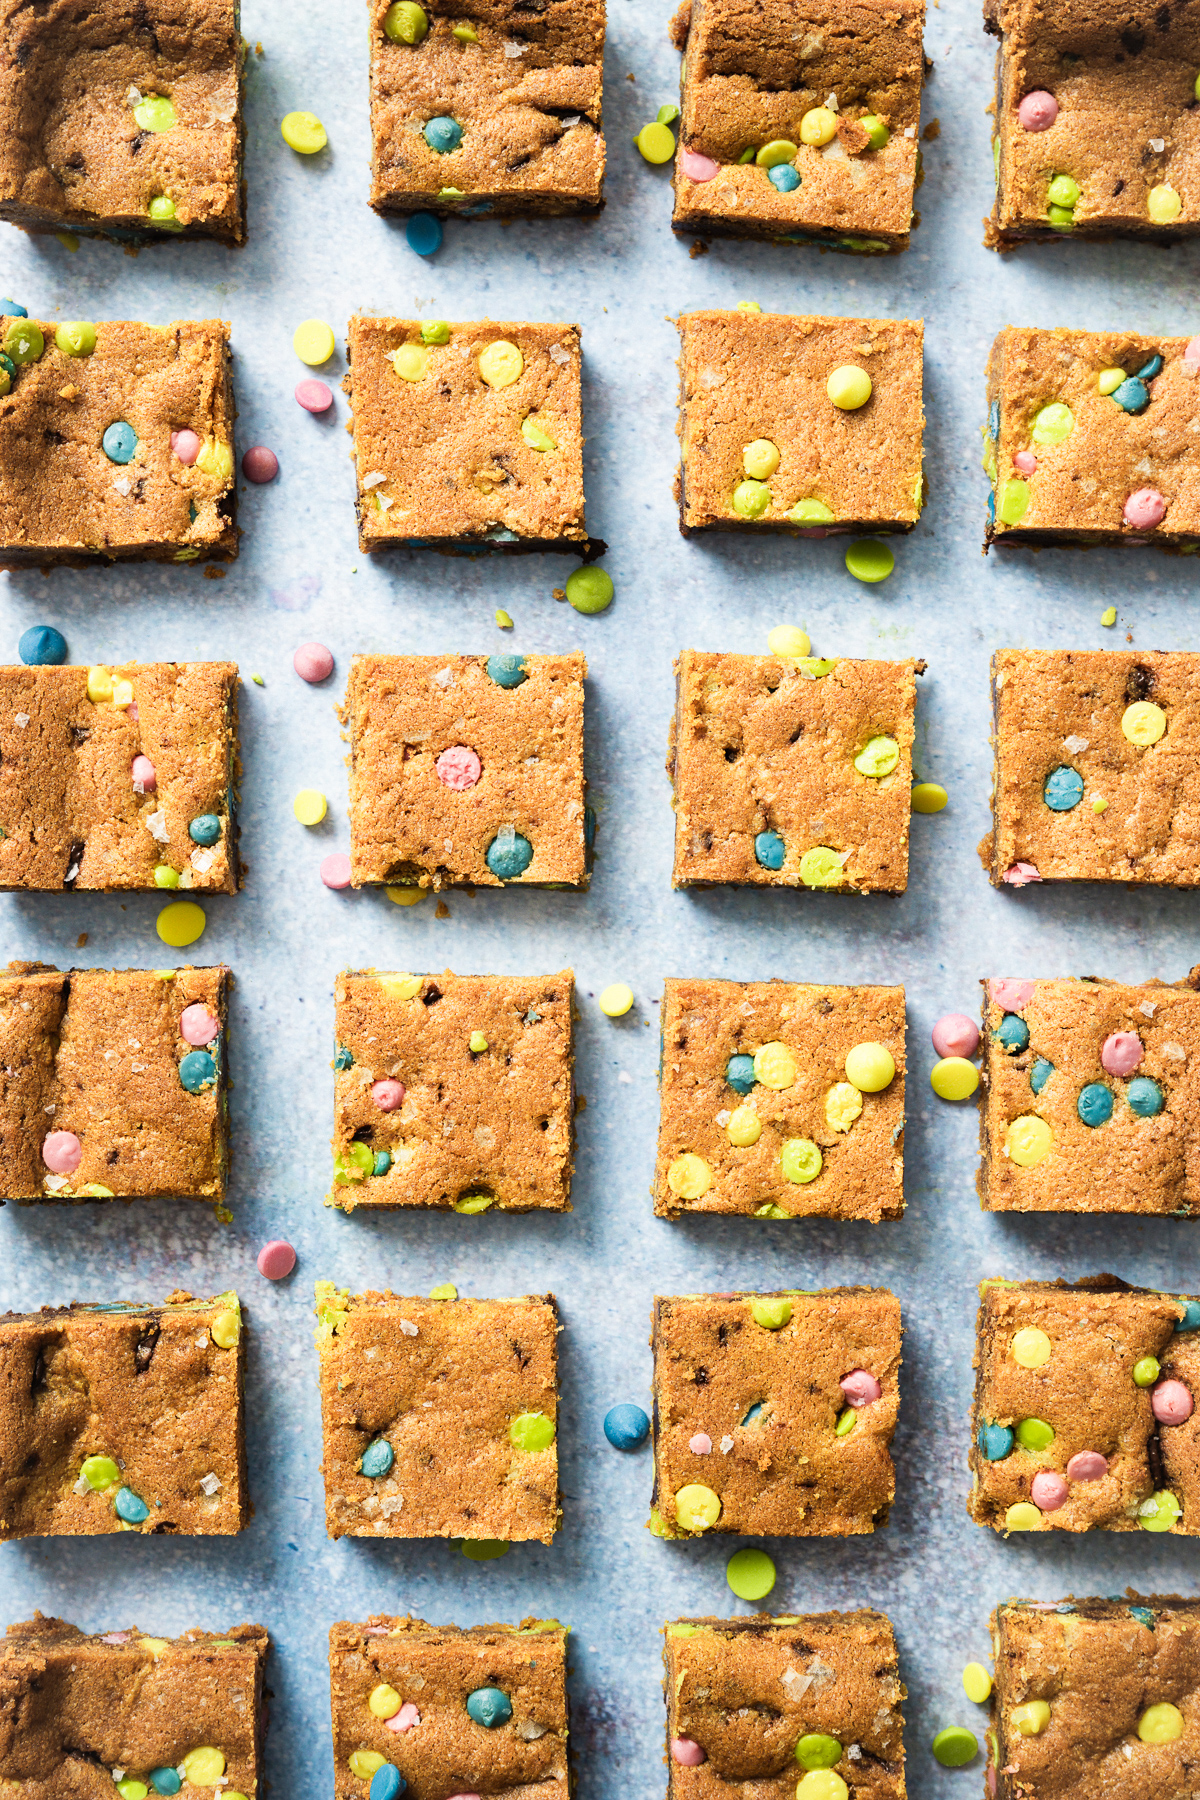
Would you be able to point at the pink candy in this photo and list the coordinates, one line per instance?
(1048, 1490)
(1037, 111)
(405, 1719)
(197, 1025)
(276, 1259)
(1122, 1052)
(860, 1388)
(701, 1444)
(1145, 508)
(687, 1752)
(335, 870)
(696, 166)
(458, 768)
(1026, 461)
(314, 396)
(956, 1035)
(313, 662)
(1087, 1465)
(990, 1780)
(116, 1637)
(62, 1152)
(143, 775)
(1191, 356)
(1170, 1401)
(1021, 874)
(186, 446)
(260, 465)
(387, 1095)
(1010, 993)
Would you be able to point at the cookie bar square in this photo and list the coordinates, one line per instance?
(758, 1116)
(756, 1702)
(439, 1416)
(799, 121)
(483, 1708)
(467, 769)
(466, 435)
(1089, 1097)
(792, 773)
(113, 1083)
(1089, 438)
(78, 1703)
(1097, 755)
(773, 1413)
(117, 124)
(1095, 133)
(116, 778)
(123, 1417)
(453, 1091)
(116, 443)
(764, 448)
(493, 114)
(1083, 1419)
(1077, 1684)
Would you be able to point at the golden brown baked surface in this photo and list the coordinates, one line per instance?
(408, 826)
(97, 1052)
(440, 1383)
(768, 1402)
(61, 498)
(525, 93)
(747, 1690)
(147, 1387)
(1085, 1393)
(435, 1669)
(759, 745)
(446, 458)
(72, 154)
(752, 71)
(705, 1023)
(1066, 709)
(474, 1128)
(70, 1701)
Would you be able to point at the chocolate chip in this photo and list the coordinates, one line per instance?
(1139, 683)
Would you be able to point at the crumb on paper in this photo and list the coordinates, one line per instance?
(443, 911)
(932, 130)
(81, 940)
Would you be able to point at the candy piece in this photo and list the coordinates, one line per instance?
(878, 757)
(1189, 1320)
(387, 1783)
(846, 1422)
(1087, 1465)
(860, 1388)
(165, 1781)
(590, 590)
(818, 126)
(1052, 424)
(769, 850)
(143, 775)
(751, 499)
(626, 1426)
(696, 1507)
(477, 1043)
(181, 923)
(1028, 1141)
(507, 671)
(751, 1574)
(130, 1507)
(405, 1719)
(531, 1432)
(695, 165)
(443, 134)
(821, 1784)
(877, 132)
(383, 1700)
(119, 442)
(1037, 111)
(310, 806)
(1163, 204)
(335, 870)
(509, 854)
(186, 446)
(689, 1176)
(1145, 508)
(1022, 1517)
(1171, 1403)
(423, 233)
(1121, 1052)
(276, 1259)
(1145, 1370)
(10, 310)
(1143, 723)
(41, 645)
(260, 465)
(871, 1067)
(382, 1162)
(1030, 1347)
(783, 178)
(1032, 1718)
(687, 1753)
(388, 1095)
(364, 1763)
(843, 1105)
(775, 1067)
(954, 1078)
(800, 1160)
(929, 797)
(956, 1035)
(1048, 1490)
(770, 1311)
(779, 150)
(489, 1706)
(1063, 789)
(656, 142)
(1160, 1724)
(1034, 1434)
(616, 1000)
(817, 1750)
(869, 559)
(955, 1746)
(62, 1152)
(405, 22)
(740, 1073)
(977, 1683)
(313, 342)
(313, 662)
(1095, 1104)
(849, 387)
(99, 1472)
(205, 829)
(377, 1460)
(1145, 1097)
(1026, 462)
(313, 395)
(700, 1444)
(500, 363)
(1160, 1512)
(789, 642)
(1021, 874)
(197, 1072)
(1011, 994)
(161, 212)
(995, 1441)
(23, 342)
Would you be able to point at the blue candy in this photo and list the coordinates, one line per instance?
(165, 1781)
(383, 1162)
(197, 1071)
(1191, 1317)
(739, 1073)
(769, 847)
(42, 644)
(996, 1441)
(443, 135)
(1142, 1614)
(1145, 1097)
(784, 178)
(1095, 1104)
(127, 1506)
(489, 1706)
(377, 1458)
(424, 234)
(1149, 370)
(507, 671)
(1040, 1074)
(1131, 396)
(753, 1415)
(626, 1426)
(992, 508)
(1013, 1033)
(510, 858)
(994, 419)
(1063, 789)
(387, 1783)
(343, 1058)
(11, 310)
(119, 442)
(205, 829)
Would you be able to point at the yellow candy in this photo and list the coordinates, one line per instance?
(1034, 1716)
(181, 923)
(1109, 380)
(500, 364)
(771, 1312)
(954, 1078)
(822, 1784)
(400, 987)
(696, 1507)
(1163, 204)
(1143, 722)
(1160, 1724)
(203, 1767)
(99, 684)
(303, 131)
(761, 459)
(216, 459)
(849, 388)
(312, 341)
(744, 1127)
(977, 1683)
(364, 1763)
(1022, 1517)
(310, 807)
(1029, 1141)
(870, 1067)
(818, 126)
(473, 1203)
(154, 1646)
(928, 797)
(774, 1067)
(122, 693)
(789, 641)
(616, 1000)
(656, 142)
(226, 1328)
(411, 362)
(132, 1790)
(1030, 1347)
(1109, 616)
(405, 896)
(689, 1176)
(843, 1104)
(384, 1701)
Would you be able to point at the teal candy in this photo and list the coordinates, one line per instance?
(511, 858)
(1145, 1097)
(507, 671)
(1149, 370)
(387, 1783)
(996, 1441)
(1131, 396)
(197, 1071)
(443, 135)
(489, 1706)
(343, 1059)
(1013, 1033)
(1063, 790)
(127, 1506)
(1040, 1074)
(739, 1073)
(205, 829)
(1191, 1317)
(784, 178)
(8, 365)
(165, 1781)
(11, 310)
(589, 826)
(1143, 1615)
(119, 442)
(383, 1162)
(1095, 1104)
(378, 1458)
(769, 847)
(754, 1414)
(41, 644)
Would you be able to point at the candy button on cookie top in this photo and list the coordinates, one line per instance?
(700, 1444)
(849, 387)
(774, 1067)
(197, 1025)
(1095, 1104)
(1030, 1348)
(377, 1460)
(697, 1507)
(405, 1719)
(689, 1176)
(1144, 509)
(186, 446)
(687, 1753)
(955, 1035)
(197, 1072)
(1011, 994)
(995, 1441)
(388, 1095)
(276, 1259)
(1144, 1097)
(1028, 1141)
(500, 363)
(740, 1074)
(489, 1707)
(1048, 1490)
(1087, 1465)
(696, 166)
(119, 442)
(458, 768)
(871, 1067)
(769, 850)
(1121, 1052)
(1037, 111)
(1063, 789)
(1143, 723)
(62, 1152)
(143, 775)
(860, 1388)
(509, 854)
(1012, 1034)
(1171, 1403)
(387, 1783)
(335, 870)
(821, 1784)
(1026, 461)
(1160, 1724)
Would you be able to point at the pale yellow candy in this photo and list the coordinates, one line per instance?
(1160, 1724)
(1031, 1348)
(500, 363)
(1022, 1517)
(818, 126)
(99, 684)
(871, 1067)
(226, 1328)
(310, 806)
(1109, 380)
(689, 1176)
(977, 1683)
(1143, 722)
(204, 1766)
(849, 388)
(696, 1507)
(364, 1763)
(1028, 1141)
(789, 641)
(405, 896)
(616, 1000)
(761, 459)
(312, 341)
(822, 1784)
(122, 693)
(1163, 204)
(216, 459)
(411, 362)
(1031, 1718)
(400, 987)
(154, 1646)
(384, 1701)
(843, 1104)
(775, 1066)
(744, 1127)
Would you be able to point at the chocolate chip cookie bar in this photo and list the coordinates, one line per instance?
(774, 1413)
(123, 1417)
(1084, 1408)
(439, 1416)
(781, 1100)
(467, 770)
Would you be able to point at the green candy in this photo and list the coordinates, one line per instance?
(1054, 423)
(1034, 1434)
(847, 1420)
(535, 437)
(667, 115)
(23, 341)
(99, 1472)
(811, 512)
(405, 22)
(161, 211)
(751, 499)
(435, 331)
(817, 1750)
(155, 113)
(1145, 1371)
(751, 1574)
(877, 132)
(590, 590)
(531, 1431)
(1062, 217)
(770, 1312)
(955, 1747)
(78, 339)
(1013, 501)
(1064, 191)
(869, 559)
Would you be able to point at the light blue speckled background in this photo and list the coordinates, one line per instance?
(316, 249)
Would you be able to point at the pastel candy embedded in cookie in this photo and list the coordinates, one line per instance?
(1087, 1465)
(186, 446)
(1171, 1403)
(700, 1444)
(1121, 1052)
(1049, 1490)
(1037, 111)
(1145, 508)
(1011, 994)
(1026, 462)
(860, 1388)
(687, 1753)
(458, 768)
(62, 1152)
(143, 775)
(405, 1719)
(695, 165)
(197, 1025)
(388, 1095)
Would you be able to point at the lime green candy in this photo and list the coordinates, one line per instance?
(165, 876)
(445, 1290)
(667, 115)
(466, 34)
(1145, 1371)
(405, 22)
(1054, 423)
(354, 1163)
(1060, 216)
(155, 113)
(435, 331)
(877, 132)
(779, 150)
(1160, 1512)
(847, 1420)
(868, 559)
(161, 212)
(1013, 501)
(770, 1312)
(955, 1747)
(800, 1160)
(23, 342)
(751, 499)
(817, 1750)
(590, 590)
(99, 1472)
(132, 1790)
(751, 1574)
(878, 757)
(78, 339)
(531, 1431)
(821, 867)
(656, 142)
(473, 1203)
(1034, 1434)
(771, 1211)
(535, 437)
(484, 1549)
(811, 512)
(1064, 191)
